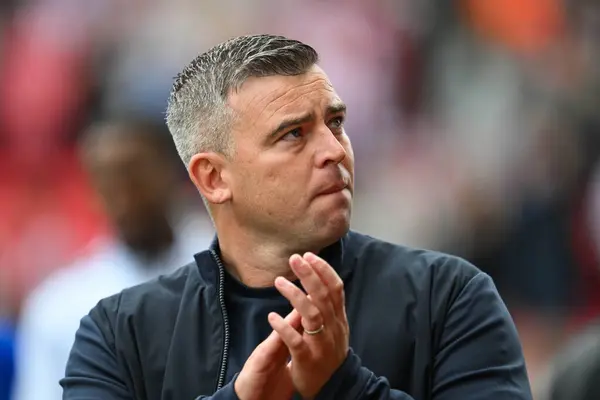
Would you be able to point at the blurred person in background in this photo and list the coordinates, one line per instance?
(573, 374)
(131, 165)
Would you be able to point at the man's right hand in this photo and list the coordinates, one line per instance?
(265, 374)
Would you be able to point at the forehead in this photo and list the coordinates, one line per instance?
(261, 100)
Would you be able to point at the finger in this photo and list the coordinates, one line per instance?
(273, 349)
(291, 337)
(311, 316)
(295, 320)
(315, 287)
(331, 279)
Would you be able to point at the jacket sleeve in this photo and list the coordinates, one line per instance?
(92, 371)
(479, 357)
(227, 392)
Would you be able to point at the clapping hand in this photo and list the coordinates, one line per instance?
(318, 349)
(265, 375)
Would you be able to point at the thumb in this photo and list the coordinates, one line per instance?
(273, 349)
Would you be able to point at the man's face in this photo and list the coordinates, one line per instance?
(293, 167)
(135, 184)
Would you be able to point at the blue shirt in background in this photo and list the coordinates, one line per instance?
(7, 362)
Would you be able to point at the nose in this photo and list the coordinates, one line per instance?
(329, 149)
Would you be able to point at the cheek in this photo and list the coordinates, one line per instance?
(272, 184)
(256, 184)
(272, 177)
(349, 160)
(281, 188)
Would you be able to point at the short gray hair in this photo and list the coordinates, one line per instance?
(197, 112)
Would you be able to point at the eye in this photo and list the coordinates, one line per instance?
(336, 123)
(293, 134)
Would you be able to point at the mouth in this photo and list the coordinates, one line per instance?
(338, 187)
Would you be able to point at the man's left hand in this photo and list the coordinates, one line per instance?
(322, 347)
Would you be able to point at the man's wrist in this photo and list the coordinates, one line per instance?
(227, 392)
(345, 380)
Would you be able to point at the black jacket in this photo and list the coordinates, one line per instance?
(424, 325)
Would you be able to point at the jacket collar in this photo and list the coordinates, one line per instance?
(337, 255)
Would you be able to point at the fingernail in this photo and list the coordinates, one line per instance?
(295, 260)
(310, 257)
(301, 268)
(297, 263)
(280, 281)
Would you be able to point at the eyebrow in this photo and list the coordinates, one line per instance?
(334, 108)
(288, 123)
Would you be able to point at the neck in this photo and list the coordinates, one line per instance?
(256, 262)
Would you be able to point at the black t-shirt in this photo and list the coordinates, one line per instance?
(248, 309)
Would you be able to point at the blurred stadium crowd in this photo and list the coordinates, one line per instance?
(475, 126)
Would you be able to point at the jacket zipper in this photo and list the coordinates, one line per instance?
(221, 295)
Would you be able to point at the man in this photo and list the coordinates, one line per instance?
(131, 165)
(287, 301)
(573, 372)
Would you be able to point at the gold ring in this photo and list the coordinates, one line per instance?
(315, 331)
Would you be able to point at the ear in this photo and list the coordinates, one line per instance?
(207, 171)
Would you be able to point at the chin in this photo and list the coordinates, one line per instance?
(335, 227)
